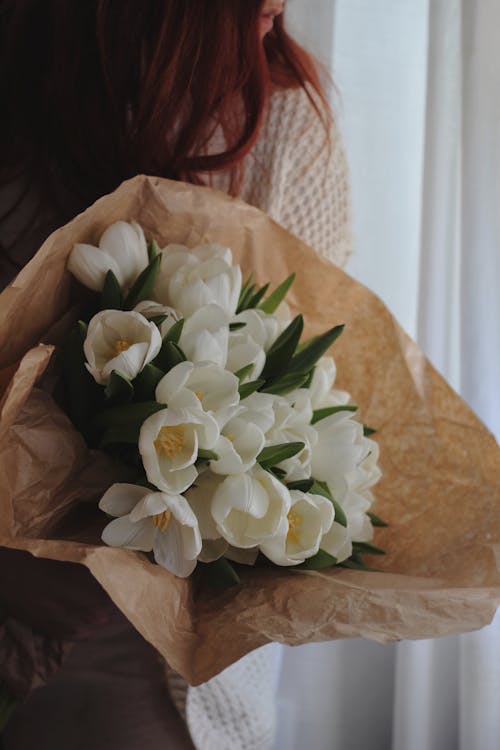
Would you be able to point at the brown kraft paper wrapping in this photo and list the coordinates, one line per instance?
(440, 490)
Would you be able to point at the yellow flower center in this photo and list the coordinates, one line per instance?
(121, 346)
(161, 520)
(169, 441)
(294, 522)
(199, 395)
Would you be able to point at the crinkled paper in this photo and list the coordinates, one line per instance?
(440, 490)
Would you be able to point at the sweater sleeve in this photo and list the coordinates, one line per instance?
(299, 175)
(315, 203)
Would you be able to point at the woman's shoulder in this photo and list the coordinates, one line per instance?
(296, 110)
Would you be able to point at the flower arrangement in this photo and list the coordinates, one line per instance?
(439, 491)
(239, 445)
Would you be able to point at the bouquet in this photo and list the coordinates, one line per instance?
(438, 493)
(239, 447)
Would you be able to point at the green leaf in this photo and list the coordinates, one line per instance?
(220, 575)
(245, 298)
(274, 300)
(256, 298)
(145, 383)
(174, 333)
(281, 352)
(321, 488)
(278, 473)
(367, 431)
(169, 355)
(111, 295)
(241, 374)
(320, 414)
(244, 290)
(246, 389)
(121, 416)
(143, 286)
(319, 561)
(153, 250)
(83, 393)
(365, 548)
(304, 485)
(314, 349)
(206, 455)
(286, 383)
(236, 326)
(158, 320)
(119, 389)
(275, 454)
(376, 521)
(310, 376)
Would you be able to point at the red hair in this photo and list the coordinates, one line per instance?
(97, 91)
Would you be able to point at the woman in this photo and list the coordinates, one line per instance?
(212, 92)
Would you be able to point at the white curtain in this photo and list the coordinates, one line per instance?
(419, 106)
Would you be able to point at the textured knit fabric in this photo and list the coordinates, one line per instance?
(298, 178)
(301, 181)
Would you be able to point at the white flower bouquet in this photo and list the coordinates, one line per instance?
(201, 470)
(241, 448)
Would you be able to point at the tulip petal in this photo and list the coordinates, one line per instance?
(120, 499)
(169, 551)
(90, 265)
(122, 532)
(126, 244)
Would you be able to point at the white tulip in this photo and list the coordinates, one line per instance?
(263, 328)
(249, 345)
(202, 385)
(118, 340)
(242, 351)
(169, 441)
(292, 424)
(338, 541)
(309, 518)
(154, 521)
(199, 497)
(368, 471)
(339, 451)
(190, 279)
(356, 500)
(258, 409)
(122, 249)
(238, 446)
(205, 334)
(251, 508)
(321, 386)
(151, 309)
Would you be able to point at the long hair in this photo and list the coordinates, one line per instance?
(97, 91)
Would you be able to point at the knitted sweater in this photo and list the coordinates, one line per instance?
(301, 182)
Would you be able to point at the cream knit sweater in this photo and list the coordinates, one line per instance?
(294, 176)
